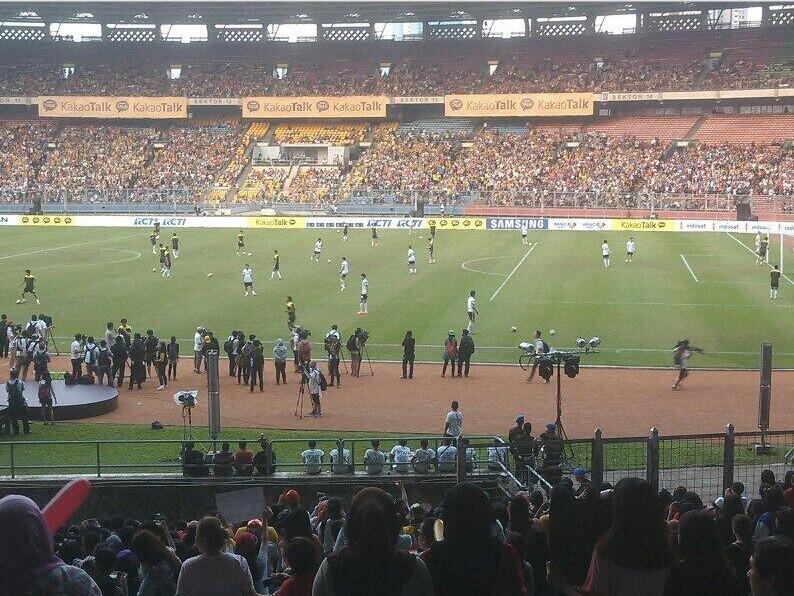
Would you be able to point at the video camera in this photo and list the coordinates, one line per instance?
(363, 335)
(186, 399)
(304, 333)
(47, 319)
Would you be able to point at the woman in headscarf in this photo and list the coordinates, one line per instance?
(471, 559)
(28, 564)
(371, 563)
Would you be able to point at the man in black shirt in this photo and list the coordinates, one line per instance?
(409, 354)
(137, 355)
(265, 460)
(119, 353)
(257, 364)
(193, 463)
(150, 350)
(4, 324)
(465, 352)
(774, 276)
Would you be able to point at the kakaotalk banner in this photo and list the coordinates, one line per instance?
(63, 106)
(519, 104)
(353, 106)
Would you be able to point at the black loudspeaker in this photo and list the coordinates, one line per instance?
(765, 391)
(743, 212)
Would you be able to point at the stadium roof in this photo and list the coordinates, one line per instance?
(284, 11)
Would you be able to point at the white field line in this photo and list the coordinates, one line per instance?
(752, 252)
(507, 279)
(464, 263)
(54, 248)
(692, 273)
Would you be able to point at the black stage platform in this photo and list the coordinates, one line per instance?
(75, 401)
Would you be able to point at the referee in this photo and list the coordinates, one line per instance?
(774, 277)
(409, 355)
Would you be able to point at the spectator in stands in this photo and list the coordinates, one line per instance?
(105, 565)
(423, 458)
(340, 459)
(214, 571)
(329, 528)
(312, 458)
(730, 507)
(371, 563)
(193, 463)
(470, 559)
(28, 564)
(223, 461)
(497, 456)
(740, 550)
(300, 555)
(158, 575)
(772, 501)
(265, 460)
(788, 488)
(247, 546)
(701, 569)
(517, 429)
(243, 460)
(770, 568)
(634, 557)
(374, 459)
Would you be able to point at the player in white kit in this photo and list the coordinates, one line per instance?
(344, 269)
(630, 248)
(524, 232)
(362, 304)
(411, 260)
(471, 309)
(605, 253)
(318, 248)
(248, 280)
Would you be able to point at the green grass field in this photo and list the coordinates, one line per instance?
(704, 286)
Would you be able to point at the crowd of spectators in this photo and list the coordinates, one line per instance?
(313, 184)
(264, 183)
(21, 151)
(577, 538)
(339, 134)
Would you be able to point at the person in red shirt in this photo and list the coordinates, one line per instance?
(301, 557)
(243, 460)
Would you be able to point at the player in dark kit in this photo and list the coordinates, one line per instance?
(163, 254)
(432, 230)
(774, 277)
(761, 256)
(681, 353)
(153, 239)
(175, 245)
(276, 272)
(430, 246)
(28, 287)
(240, 242)
(344, 232)
(290, 313)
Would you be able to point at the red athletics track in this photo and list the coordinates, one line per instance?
(622, 402)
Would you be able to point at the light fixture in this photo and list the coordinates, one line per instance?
(594, 342)
(581, 343)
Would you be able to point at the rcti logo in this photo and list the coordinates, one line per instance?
(322, 106)
(49, 104)
(527, 103)
(456, 104)
(122, 105)
(252, 106)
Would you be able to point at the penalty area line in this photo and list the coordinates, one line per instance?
(752, 252)
(692, 273)
(507, 279)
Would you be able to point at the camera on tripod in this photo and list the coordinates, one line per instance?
(363, 336)
(186, 399)
(47, 319)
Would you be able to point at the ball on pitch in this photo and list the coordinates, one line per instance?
(249, 254)
(209, 274)
(19, 302)
(513, 328)
(328, 261)
(154, 270)
(552, 332)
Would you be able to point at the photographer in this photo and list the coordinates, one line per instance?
(409, 355)
(257, 364)
(244, 358)
(90, 355)
(172, 351)
(333, 345)
(313, 377)
(76, 355)
(41, 361)
(4, 325)
(354, 346)
(198, 345)
(103, 369)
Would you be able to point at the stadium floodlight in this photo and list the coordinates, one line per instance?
(594, 342)
(581, 343)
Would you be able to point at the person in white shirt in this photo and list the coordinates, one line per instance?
(318, 248)
(344, 269)
(340, 464)
(76, 355)
(312, 458)
(605, 253)
(41, 327)
(453, 423)
(524, 232)
(423, 457)
(411, 260)
(471, 309)
(315, 391)
(401, 456)
(248, 280)
(362, 305)
(630, 248)
(198, 344)
(471, 456)
(447, 456)
(540, 350)
(374, 459)
(757, 241)
(497, 454)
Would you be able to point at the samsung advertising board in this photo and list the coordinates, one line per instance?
(516, 223)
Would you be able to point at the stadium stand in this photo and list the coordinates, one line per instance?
(460, 128)
(337, 134)
(644, 128)
(263, 184)
(746, 128)
(313, 184)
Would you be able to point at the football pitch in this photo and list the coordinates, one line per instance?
(701, 286)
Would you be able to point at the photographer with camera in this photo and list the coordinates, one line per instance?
(303, 349)
(409, 355)
(137, 353)
(333, 346)
(314, 380)
(257, 364)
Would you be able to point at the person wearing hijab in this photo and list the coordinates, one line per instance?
(28, 564)
(280, 361)
(371, 563)
(471, 559)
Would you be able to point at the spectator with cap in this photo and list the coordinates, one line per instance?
(524, 448)
(581, 479)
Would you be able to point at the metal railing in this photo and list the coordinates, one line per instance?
(163, 456)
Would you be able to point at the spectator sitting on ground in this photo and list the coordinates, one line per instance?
(193, 463)
(261, 463)
(447, 456)
(374, 459)
(424, 458)
(223, 461)
(312, 458)
(243, 460)
(400, 455)
(340, 459)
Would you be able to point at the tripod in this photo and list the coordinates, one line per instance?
(567, 450)
(51, 338)
(299, 402)
(365, 352)
(187, 423)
